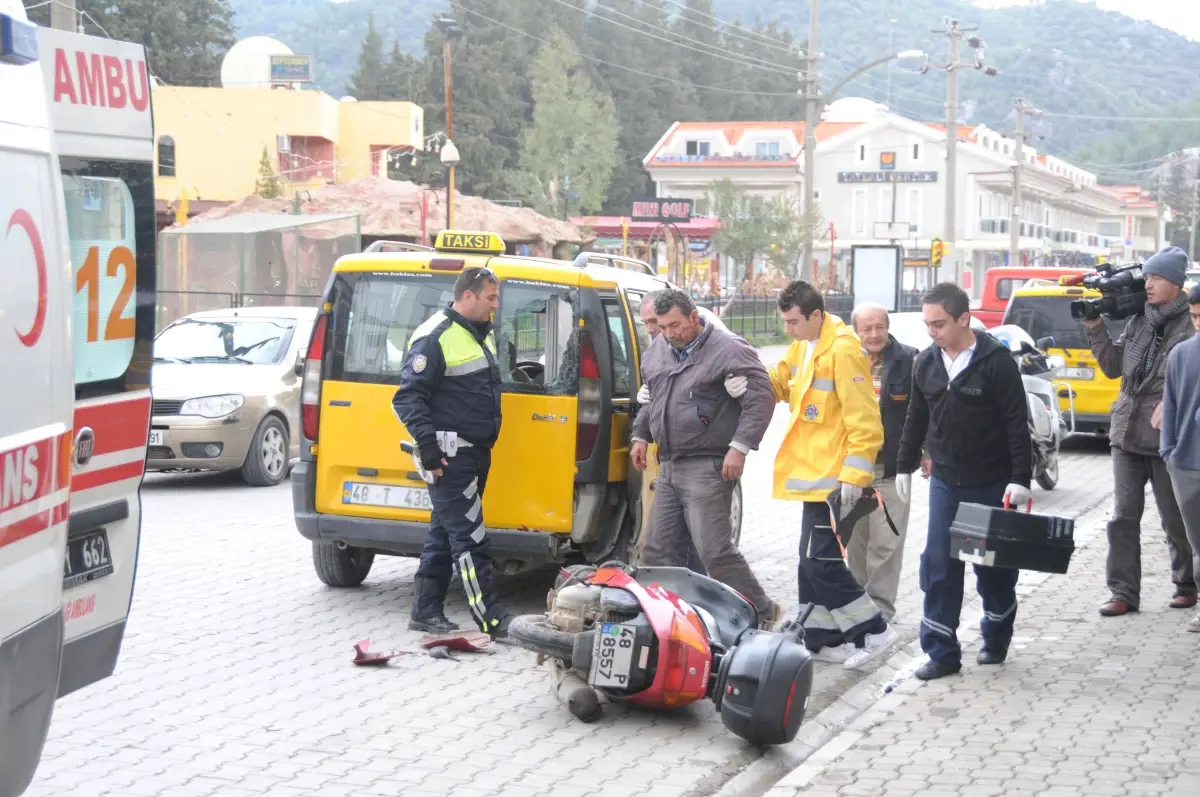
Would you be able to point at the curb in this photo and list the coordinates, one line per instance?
(840, 725)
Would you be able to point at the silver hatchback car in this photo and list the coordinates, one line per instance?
(226, 387)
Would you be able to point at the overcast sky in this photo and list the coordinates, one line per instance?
(1181, 16)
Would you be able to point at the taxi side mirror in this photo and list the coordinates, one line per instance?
(1045, 343)
(299, 368)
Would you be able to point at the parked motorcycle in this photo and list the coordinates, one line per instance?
(1047, 428)
(668, 637)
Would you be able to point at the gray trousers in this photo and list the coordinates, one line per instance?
(1187, 493)
(1130, 474)
(692, 499)
(875, 555)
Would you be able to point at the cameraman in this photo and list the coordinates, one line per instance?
(1139, 357)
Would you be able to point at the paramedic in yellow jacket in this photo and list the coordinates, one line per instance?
(833, 437)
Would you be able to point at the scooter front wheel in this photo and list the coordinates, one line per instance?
(532, 632)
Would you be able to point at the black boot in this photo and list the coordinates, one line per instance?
(428, 607)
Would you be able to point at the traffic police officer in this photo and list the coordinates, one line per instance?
(449, 400)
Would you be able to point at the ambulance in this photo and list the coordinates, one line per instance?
(77, 239)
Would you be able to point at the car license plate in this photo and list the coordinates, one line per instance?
(612, 656)
(88, 558)
(386, 495)
(156, 437)
(1078, 373)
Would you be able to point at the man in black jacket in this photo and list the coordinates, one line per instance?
(969, 409)
(875, 553)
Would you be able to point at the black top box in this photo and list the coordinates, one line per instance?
(994, 537)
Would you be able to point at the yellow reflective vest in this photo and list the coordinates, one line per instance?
(834, 431)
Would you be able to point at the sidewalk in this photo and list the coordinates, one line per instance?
(1085, 705)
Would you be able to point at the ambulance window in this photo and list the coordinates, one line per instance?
(618, 335)
(374, 315)
(100, 223)
(536, 339)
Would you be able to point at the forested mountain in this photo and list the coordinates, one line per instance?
(652, 62)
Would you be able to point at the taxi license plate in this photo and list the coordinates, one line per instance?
(156, 437)
(612, 656)
(1077, 373)
(387, 495)
(88, 558)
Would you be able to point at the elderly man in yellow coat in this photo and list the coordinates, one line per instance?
(828, 457)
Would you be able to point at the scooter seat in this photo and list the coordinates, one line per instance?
(733, 614)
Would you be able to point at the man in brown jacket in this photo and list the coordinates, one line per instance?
(704, 434)
(1139, 357)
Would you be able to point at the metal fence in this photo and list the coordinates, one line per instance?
(758, 316)
(173, 305)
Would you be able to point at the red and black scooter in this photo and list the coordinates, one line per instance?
(665, 637)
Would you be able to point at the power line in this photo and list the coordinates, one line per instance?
(631, 69)
(1088, 117)
(600, 11)
(738, 32)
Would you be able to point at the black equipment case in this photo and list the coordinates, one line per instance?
(987, 535)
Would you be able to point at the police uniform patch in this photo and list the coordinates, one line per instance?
(419, 363)
(810, 412)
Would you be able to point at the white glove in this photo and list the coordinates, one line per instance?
(643, 396)
(850, 495)
(1017, 496)
(735, 386)
(904, 486)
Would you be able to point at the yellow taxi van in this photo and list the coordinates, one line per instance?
(1043, 309)
(570, 340)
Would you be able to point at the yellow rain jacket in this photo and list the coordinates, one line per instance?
(834, 432)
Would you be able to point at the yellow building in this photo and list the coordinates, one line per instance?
(211, 140)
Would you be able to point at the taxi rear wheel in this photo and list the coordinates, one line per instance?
(341, 567)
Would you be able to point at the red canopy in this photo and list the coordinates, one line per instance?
(698, 229)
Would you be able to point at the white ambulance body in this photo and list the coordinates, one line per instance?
(36, 404)
(99, 92)
(77, 266)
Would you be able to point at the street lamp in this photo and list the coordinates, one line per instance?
(449, 160)
(814, 107)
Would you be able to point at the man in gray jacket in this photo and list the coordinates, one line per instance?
(1139, 358)
(703, 435)
(1180, 444)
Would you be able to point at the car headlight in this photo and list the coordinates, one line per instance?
(212, 406)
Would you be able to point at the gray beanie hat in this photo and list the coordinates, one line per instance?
(1170, 263)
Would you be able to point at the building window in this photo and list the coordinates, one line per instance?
(697, 148)
(885, 202)
(166, 156)
(914, 210)
(862, 153)
(765, 149)
(916, 153)
(859, 211)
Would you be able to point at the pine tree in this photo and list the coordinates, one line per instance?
(268, 185)
(571, 149)
(185, 40)
(368, 80)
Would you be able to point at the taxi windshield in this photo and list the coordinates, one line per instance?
(250, 341)
(1050, 317)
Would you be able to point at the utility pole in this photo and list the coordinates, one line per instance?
(1014, 246)
(812, 90)
(1192, 239)
(955, 34)
(1158, 209)
(63, 16)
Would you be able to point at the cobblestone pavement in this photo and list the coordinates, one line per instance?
(1085, 705)
(235, 678)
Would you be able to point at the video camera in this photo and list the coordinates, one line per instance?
(1123, 293)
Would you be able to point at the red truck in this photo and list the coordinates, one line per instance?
(999, 284)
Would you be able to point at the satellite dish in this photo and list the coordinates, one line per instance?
(247, 65)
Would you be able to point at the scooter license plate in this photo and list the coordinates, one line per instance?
(612, 656)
